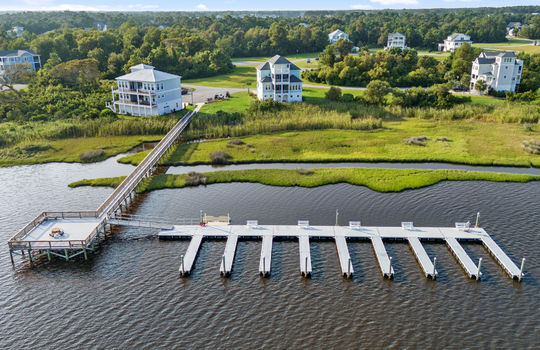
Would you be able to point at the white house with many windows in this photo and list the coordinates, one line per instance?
(279, 79)
(454, 42)
(28, 59)
(501, 71)
(147, 92)
(337, 35)
(395, 40)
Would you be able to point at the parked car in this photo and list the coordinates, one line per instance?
(184, 92)
(460, 88)
(219, 97)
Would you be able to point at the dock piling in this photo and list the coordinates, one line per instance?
(224, 266)
(307, 270)
(11, 256)
(349, 268)
(434, 271)
(264, 265)
(389, 267)
(479, 266)
(477, 220)
(521, 270)
(182, 264)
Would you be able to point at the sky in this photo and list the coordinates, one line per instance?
(221, 5)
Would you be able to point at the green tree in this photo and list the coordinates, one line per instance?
(376, 91)
(333, 94)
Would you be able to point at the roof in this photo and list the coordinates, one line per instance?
(396, 33)
(337, 31)
(294, 79)
(454, 36)
(141, 66)
(277, 59)
(266, 80)
(16, 53)
(482, 60)
(147, 74)
(497, 54)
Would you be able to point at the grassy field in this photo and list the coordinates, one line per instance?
(239, 78)
(471, 142)
(69, 150)
(381, 180)
(511, 45)
(486, 100)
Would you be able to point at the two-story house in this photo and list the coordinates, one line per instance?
(337, 35)
(279, 79)
(454, 42)
(11, 59)
(501, 71)
(395, 40)
(147, 92)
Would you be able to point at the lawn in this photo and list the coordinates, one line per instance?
(241, 77)
(511, 45)
(486, 100)
(381, 180)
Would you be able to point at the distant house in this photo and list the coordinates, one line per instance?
(147, 92)
(11, 58)
(337, 35)
(501, 71)
(454, 42)
(511, 28)
(395, 40)
(279, 79)
(16, 31)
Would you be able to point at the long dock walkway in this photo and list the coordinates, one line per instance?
(503, 259)
(463, 258)
(187, 260)
(343, 256)
(305, 255)
(226, 265)
(265, 262)
(385, 264)
(422, 258)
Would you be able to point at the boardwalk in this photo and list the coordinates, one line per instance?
(226, 265)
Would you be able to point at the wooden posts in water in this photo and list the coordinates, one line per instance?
(389, 267)
(434, 271)
(479, 266)
(182, 265)
(477, 220)
(521, 270)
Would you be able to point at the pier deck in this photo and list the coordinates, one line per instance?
(265, 262)
(463, 258)
(343, 256)
(382, 257)
(501, 257)
(226, 265)
(186, 264)
(422, 257)
(305, 255)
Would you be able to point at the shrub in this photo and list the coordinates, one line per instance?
(219, 157)
(531, 146)
(302, 171)
(236, 142)
(333, 94)
(106, 113)
(91, 155)
(416, 140)
(194, 179)
(347, 98)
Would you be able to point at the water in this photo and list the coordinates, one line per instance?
(128, 295)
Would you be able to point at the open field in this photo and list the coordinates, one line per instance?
(521, 45)
(241, 77)
(381, 180)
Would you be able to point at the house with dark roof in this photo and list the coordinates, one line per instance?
(279, 79)
(501, 71)
(146, 92)
(26, 59)
(454, 42)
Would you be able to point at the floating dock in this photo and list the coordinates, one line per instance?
(303, 233)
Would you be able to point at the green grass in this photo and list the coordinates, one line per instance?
(486, 100)
(241, 76)
(472, 142)
(101, 182)
(381, 180)
(510, 45)
(68, 150)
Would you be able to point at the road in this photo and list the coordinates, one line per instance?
(202, 93)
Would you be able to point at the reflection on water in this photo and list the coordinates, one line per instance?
(129, 295)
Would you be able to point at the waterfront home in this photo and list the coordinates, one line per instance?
(454, 42)
(279, 79)
(501, 71)
(395, 40)
(337, 35)
(16, 31)
(147, 92)
(26, 59)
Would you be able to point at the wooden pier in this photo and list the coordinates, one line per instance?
(303, 233)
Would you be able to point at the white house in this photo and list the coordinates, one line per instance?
(147, 92)
(454, 42)
(395, 40)
(501, 71)
(337, 35)
(279, 79)
(11, 58)
(16, 31)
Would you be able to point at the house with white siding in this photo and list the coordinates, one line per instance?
(501, 71)
(147, 91)
(11, 59)
(279, 79)
(395, 40)
(454, 42)
(337, 35)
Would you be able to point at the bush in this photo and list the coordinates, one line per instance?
(302, 171)
(194, 179)
(347, 98)
(91, 155)
(416, 140)
(219, 157)
(333, 94)
(236, 142)
(106, 113)
(531, 146)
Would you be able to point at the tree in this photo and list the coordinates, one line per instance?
(376, 91)
(77, 73)
(19, 73)
(333, 94)
(480, 86)
(53, 60)
(343, 47)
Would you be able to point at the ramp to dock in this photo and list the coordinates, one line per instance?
(343, 256)
(422, 257)
(503, 259)
(191, 254)
(265, 261)
(227, 259)
(382, 257)
(305, 255)
(463, 258)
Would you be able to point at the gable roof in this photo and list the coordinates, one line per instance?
(498, 54)
(277, 59)
(16, 53)
(396, 33)
(335, 32)
(263, 66)
(147, 75)
(294, 79)
(454, 36)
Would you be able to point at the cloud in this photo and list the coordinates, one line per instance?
(396, 2)
(202, 7)
(362, 7)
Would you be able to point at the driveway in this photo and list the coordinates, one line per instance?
(203, 93)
